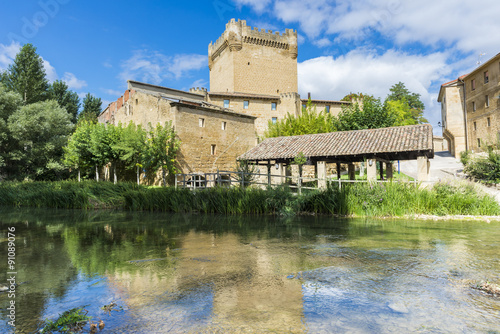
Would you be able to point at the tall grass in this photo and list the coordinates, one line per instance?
(360, 199)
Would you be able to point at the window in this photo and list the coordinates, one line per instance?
(487, 101)
(473, 106)
(226, 103)
(478, 142)
(224, 125)
(475, 126)
(327, 109)
(486, 77)
(245, 104)
(473, 84)
(201, 122)
(489, 121)
(273, 106)
(212, 149)
(275, 119)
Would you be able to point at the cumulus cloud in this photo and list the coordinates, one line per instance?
(154, 67)
(367, 72)
(7, 54)
(73, 82)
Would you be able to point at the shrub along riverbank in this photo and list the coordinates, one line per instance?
(361, 199)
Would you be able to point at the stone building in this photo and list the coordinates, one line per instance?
(211, 137)
(253, 81)
(470, 108)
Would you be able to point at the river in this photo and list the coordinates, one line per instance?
(230, 274)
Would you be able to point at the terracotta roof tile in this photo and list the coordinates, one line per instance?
(394, 140)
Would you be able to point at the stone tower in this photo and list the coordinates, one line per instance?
(253, 61)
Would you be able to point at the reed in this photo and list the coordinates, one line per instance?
(360, 199)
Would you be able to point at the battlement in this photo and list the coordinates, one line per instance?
(292, 96)
(237, 33)
(198, 90)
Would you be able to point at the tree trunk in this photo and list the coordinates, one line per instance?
(79, 178)
(114, 174)
(97, 173)
(138, 176)
(163, 176)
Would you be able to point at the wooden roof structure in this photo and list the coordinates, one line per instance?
(389, 144)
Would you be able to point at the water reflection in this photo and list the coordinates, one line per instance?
(190, 273)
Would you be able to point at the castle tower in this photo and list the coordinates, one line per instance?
(253, 61)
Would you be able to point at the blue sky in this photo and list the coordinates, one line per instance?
(344, 46)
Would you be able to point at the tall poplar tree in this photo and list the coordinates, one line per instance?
(26, 75)
(66, 98)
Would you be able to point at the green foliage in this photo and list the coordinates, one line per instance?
(91, 109)
(68, 322)
(361, 199)
(26, 75)
(369, 115)
(410, 107)
(243, 167)
(67, 99)
(161, 150)
(41, 130)
(9, 103)
(483, 168)
(465, 157)
(308, 122)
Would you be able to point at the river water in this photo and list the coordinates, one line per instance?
(219, 274)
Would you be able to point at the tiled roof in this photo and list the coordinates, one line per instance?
(388, 142)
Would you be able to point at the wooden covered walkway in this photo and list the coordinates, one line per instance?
(385, 145)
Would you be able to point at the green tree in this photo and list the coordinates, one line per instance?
(77, 153)
(66, 98)
(91, 108)
(26, 75)
(132, 147)
(41, 130)
(9, 103)
(399, 92)
(308, 122)
(162, 148)
(100, 147)
(368, 114)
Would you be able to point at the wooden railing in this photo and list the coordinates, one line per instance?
(242, 179)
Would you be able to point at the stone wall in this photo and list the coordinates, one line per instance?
(483, 124)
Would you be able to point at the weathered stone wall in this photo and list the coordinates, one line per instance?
(196, 149)
(452, 115)
(481, 131)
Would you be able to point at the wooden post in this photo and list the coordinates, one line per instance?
(351, 171)
(381, 170)
(371, 170)
(300, 184)
(321, 174)
(388, 171)
(269, 173)
(338, 170)
(175, 181)
(242, 179)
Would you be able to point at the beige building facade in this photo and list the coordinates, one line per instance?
(471, 108)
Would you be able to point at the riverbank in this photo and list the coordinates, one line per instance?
(362, 200)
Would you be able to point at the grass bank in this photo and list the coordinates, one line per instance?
(376, 200)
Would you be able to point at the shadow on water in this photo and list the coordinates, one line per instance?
(251, 273)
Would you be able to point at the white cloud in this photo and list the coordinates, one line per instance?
(73, 82)
(469, 27)
(323, 42)
(107, 64)
(257, 5)
(369, 73)
(153, 67)
(7, 54)
(50, 71)
(185, 63)
(200, 83)
(113, 92)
